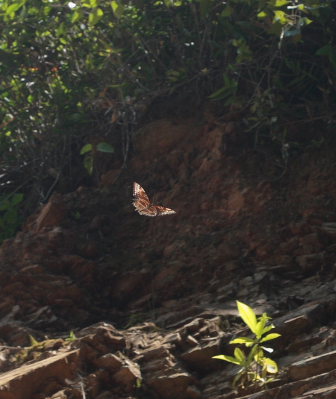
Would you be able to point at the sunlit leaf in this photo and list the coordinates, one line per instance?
(270, 365)
(239, 355)
(243, 340)
(280, 3)
(227, 358)
(117, 8)
(270, 336)
(76, 16)
(262, 14)
(95, 16)
(248, 315)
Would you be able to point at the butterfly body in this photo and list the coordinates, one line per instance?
(143, 205)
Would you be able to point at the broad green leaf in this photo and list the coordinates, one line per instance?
(306, 21)
(117, 8)
(252, 353)
(262, 14)
(230, 359)
(77, 16)
(270, 365)
(248, 316)
(95, 16)
(86, 148)
(261, 325)
(242, 340)
(105, 147)
(280, 16)
(270, 336)
(280, 3)
(239, 355)
(12, 9)
(268, 328)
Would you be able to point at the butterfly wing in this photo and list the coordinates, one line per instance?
(140, 199)
(161, 210)
(143, 205)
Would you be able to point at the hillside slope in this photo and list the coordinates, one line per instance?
(249, 225)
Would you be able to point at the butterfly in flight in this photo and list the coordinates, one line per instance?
(143, 205)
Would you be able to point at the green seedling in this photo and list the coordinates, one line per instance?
(72, 337)
(255, 368)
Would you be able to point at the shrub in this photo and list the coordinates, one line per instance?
(255, 367)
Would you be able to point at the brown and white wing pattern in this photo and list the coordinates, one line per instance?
(143, 205)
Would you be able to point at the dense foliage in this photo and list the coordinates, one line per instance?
(74, 69)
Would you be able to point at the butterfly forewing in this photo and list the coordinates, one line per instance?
(143, 205)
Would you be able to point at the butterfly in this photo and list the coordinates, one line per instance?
(143, 205)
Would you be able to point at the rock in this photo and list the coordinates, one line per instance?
(199, 358)
(312, 366)
(127, 376)
(21, 383)
(52, 214)
(173, 385)
(311, 262)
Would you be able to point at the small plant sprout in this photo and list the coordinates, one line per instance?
(255, 368)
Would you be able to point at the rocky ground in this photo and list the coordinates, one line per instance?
(100, 302)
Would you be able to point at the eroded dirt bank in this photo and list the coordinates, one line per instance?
(249, 226)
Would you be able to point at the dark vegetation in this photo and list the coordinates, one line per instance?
(86, 72)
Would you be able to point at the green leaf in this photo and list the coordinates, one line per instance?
(117, 9)
(268, 328)
(262, 14)
(280, 3)
(95, 16)
(77, 16)
(227, 12)
(239, 355)
(270, 336)
(242, 340)
(260, 329)
(270, 365)
(227, 358)
(255, 349)
(12, 9)
(248, 316)
(72, 336)
(281, 17)
(105, 147)
(86, 148)
(33, 341)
